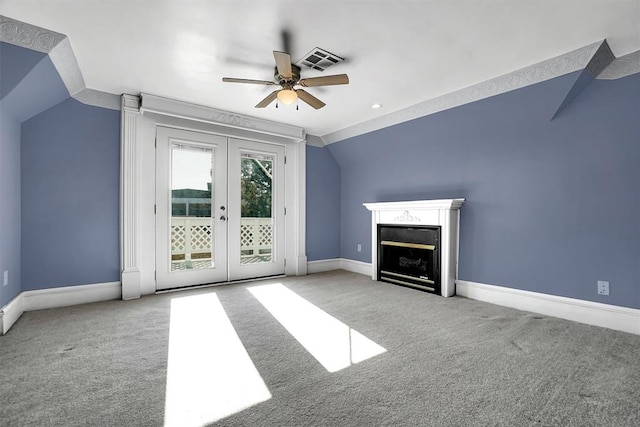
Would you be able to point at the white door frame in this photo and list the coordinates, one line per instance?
(140, 117)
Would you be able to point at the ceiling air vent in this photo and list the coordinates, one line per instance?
(319, 59)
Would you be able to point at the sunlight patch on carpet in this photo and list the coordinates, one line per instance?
(209, 372)
(335, 345)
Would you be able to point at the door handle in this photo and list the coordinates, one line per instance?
(223, 218)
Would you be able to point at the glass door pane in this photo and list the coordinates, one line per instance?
(191, 201)
(256, 209)
(192, 230)
(256, 206)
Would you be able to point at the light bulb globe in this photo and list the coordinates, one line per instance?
(287, 96)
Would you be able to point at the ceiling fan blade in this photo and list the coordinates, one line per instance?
(337, 79)
(283, 64)
(255, 82)
(310, 99)
(268, 100)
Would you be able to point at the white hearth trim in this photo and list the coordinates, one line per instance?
(442, 212)
(588, 312)
(41, 299)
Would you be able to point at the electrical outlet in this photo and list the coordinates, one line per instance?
(603, 287)
(359, 247)
(6, 277)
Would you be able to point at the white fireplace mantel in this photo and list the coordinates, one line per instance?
(443, 212)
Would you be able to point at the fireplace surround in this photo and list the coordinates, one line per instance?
(421, 237)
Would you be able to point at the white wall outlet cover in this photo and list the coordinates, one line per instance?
(6, 278)
(603, 287)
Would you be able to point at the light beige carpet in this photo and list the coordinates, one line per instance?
(448, 361)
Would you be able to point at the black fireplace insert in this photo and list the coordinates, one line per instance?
(410, 256)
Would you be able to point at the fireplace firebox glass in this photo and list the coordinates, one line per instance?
(410, 256)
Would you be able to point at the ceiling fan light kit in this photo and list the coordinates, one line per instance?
(287, 96)
(287, 75)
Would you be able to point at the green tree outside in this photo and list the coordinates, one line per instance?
(256, 184)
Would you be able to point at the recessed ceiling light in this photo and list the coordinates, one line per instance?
(376, 105)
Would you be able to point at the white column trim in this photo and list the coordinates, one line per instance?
(295, 177)
(129, 203)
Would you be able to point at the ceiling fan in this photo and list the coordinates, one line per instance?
(287, 75)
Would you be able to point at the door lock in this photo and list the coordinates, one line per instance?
(223, 218)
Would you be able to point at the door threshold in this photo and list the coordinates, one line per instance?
(211, 285)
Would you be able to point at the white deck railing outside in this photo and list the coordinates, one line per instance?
(192, 235)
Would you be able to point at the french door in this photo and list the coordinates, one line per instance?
(219, 209)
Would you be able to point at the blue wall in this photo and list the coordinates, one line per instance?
(59, 180)
(552, 206)
(9, 204)
(19, 61)
(70, 196)
(323, 205)
(18, 68)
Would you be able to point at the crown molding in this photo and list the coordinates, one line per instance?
(99, 99)
(314, 141)
(59, 49)
(600, 60)
(554, 67)
(622, 67)
(65, 62)
(28, 36)
(596, 57)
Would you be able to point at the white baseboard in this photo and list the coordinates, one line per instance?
(356, 266)
(10, 313)
(324, 265)
(339, 264)
(588, 312)
(71, 295)
(57, 297)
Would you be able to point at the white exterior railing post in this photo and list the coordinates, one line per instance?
(187, 239)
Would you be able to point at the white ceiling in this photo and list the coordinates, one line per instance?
(398, 53)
